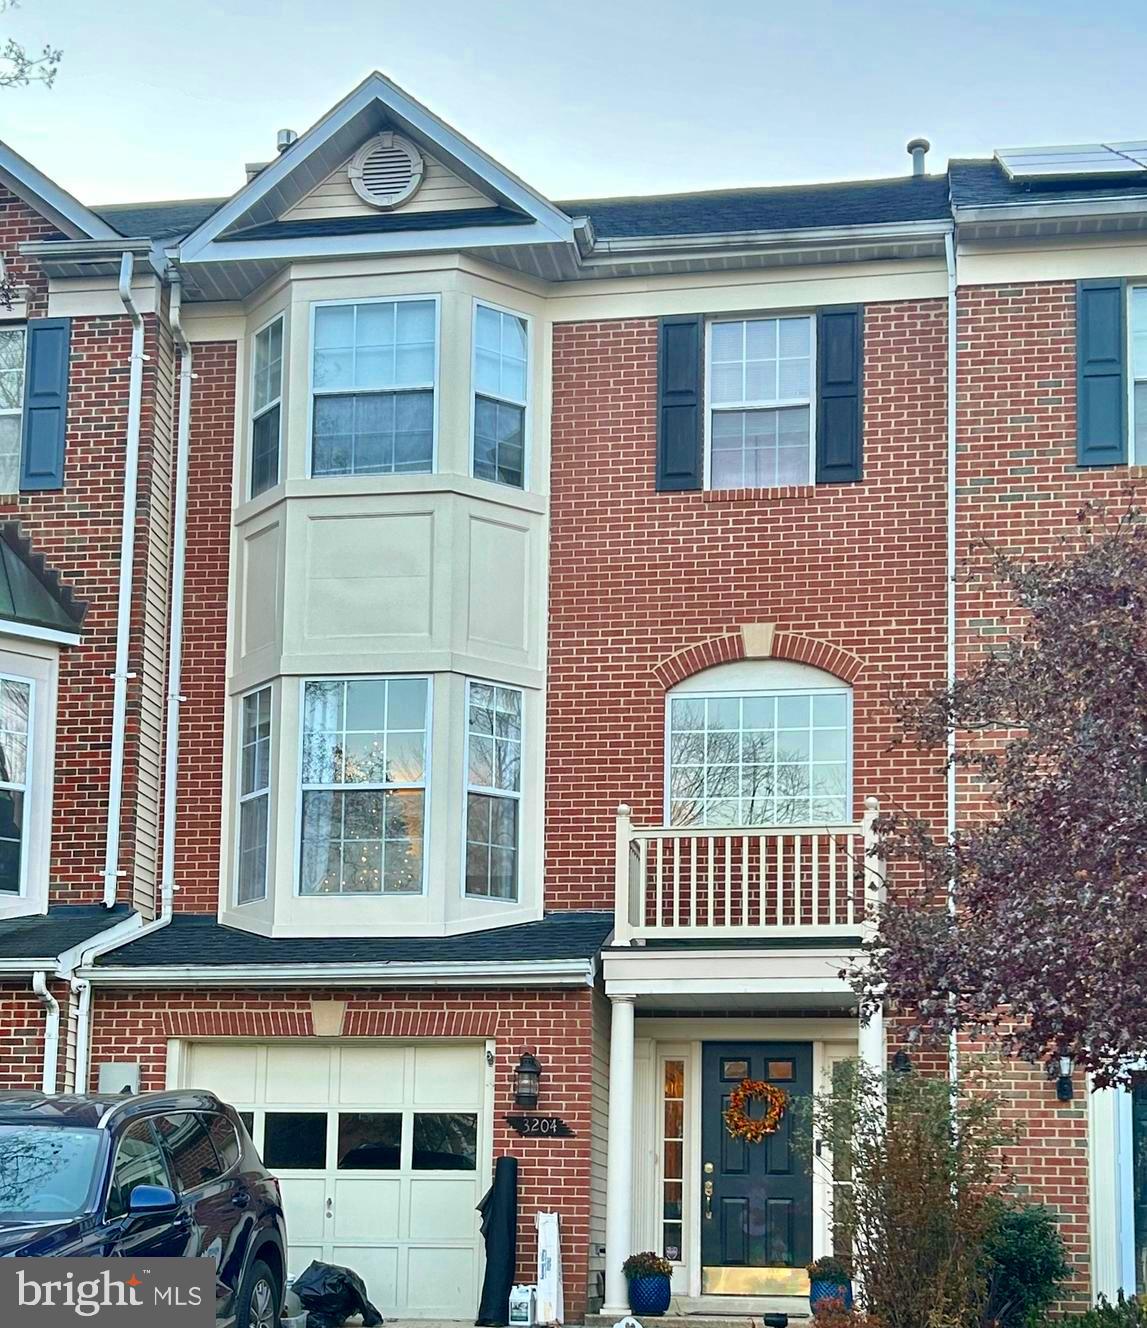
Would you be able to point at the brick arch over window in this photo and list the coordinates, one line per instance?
(758, 641)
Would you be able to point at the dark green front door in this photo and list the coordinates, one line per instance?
(756, 1206)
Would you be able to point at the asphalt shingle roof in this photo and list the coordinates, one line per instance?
(156, 221)
(49, 934)
(200, 940)
(985, 184)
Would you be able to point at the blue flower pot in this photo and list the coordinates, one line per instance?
(650, 1294)
(819, 1292)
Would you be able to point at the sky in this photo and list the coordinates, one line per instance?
(582, 99)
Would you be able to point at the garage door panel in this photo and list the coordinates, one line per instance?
(442, 1208)
(367, 1209)
(228, 1071)
(439, 1278)
(447, 1074)
(298, 1074)
(300, 1257)
(372, 1075)
(378, 1268)
(304, 1203)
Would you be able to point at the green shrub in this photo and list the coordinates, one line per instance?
(1024, 1265)
(1124, 1313)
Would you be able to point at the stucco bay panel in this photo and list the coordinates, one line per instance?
(368, 576)
(260, 589)
(498, 600)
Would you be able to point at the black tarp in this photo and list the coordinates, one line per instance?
(331, 1294)
(499, 1209)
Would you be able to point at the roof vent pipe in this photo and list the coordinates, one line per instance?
(284, 138)
(918, 150)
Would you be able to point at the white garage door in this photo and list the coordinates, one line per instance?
(383, 1152)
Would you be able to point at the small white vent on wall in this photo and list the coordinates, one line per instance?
(386, 171)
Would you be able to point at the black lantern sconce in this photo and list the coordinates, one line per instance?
(1058, 1070)
(526, 1080)
(901, 1062)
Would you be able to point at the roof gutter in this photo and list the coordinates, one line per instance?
(1062, 210)
(555, 972)
(773, 239)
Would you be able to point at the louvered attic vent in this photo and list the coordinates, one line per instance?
(386, 171)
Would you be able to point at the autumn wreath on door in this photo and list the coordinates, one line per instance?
(755, 1129)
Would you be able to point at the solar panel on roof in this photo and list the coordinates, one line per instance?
(1088, 160)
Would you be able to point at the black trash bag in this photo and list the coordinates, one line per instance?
(331, 1295)
(499, 1209)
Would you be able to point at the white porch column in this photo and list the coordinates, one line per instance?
(619, 1158)
(871, 1048)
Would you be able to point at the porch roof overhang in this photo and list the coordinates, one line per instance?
(720, 977)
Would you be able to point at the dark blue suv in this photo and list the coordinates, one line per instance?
(159, 1174)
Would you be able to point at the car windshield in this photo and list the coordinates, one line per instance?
(46, 1172)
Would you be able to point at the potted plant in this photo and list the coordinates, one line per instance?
(829, 1279)
(648, 1277)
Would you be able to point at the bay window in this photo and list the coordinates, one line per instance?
(12, 354)
(254, 796)
(759, 420)
(493, 789)
(364, 781)
(373, 383)
(759, 758)
(500, 396)
(266, 407)
(15, 732)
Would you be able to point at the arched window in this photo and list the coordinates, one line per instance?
(759, 742)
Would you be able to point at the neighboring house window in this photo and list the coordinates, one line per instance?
(254, 797)
(373, 381)
(12, 351)
(1139, 375)
(500, 396)
(759, 759)
(15, 733)
(364, 778)
(266, 407)
(759, 424)
(493, 789)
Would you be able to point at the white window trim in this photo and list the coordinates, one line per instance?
(468, 788)
(264, 792)
(382, 896)
(253, 414)
(527, 431)
(804, 690)
(1132, 458)
(436, 388)
(707, 375)
(27, 788)
(18, 411)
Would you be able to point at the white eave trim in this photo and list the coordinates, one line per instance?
(30, 632)
(802, 237)
(34, 187)
(456, 151)
(1062, 210)
(524, 973)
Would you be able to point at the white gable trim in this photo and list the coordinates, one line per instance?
(411, 117)
(52, 202)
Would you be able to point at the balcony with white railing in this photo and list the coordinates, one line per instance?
(758, 882)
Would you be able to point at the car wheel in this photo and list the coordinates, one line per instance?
(259, 1298)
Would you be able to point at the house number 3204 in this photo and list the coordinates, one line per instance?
(549, 1127)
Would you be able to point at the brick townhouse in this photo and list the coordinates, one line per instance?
(446, 634)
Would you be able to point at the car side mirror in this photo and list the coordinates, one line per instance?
(152, 1200)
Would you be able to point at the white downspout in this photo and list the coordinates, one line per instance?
(950, 671)
(51, 1029)
(126, 567)
(82, 987)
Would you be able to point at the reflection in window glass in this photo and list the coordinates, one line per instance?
(759, 759)
(373, 383)
(225, 1139)
(11, 406)
(673, 1153)
(760, 398)
(445, 1141)
(139, 1161)
(46, 1173)
(295, 1140)
(369, 1141)
(493, 789)
(1139, 374)
(15, 715)
(364, 785)
(500, 370)
(189, 1146)
(254, 796)
(266, 407)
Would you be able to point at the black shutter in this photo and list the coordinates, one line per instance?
(45, 404)
(1101, 373)
(839, 374)
(680, 462)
